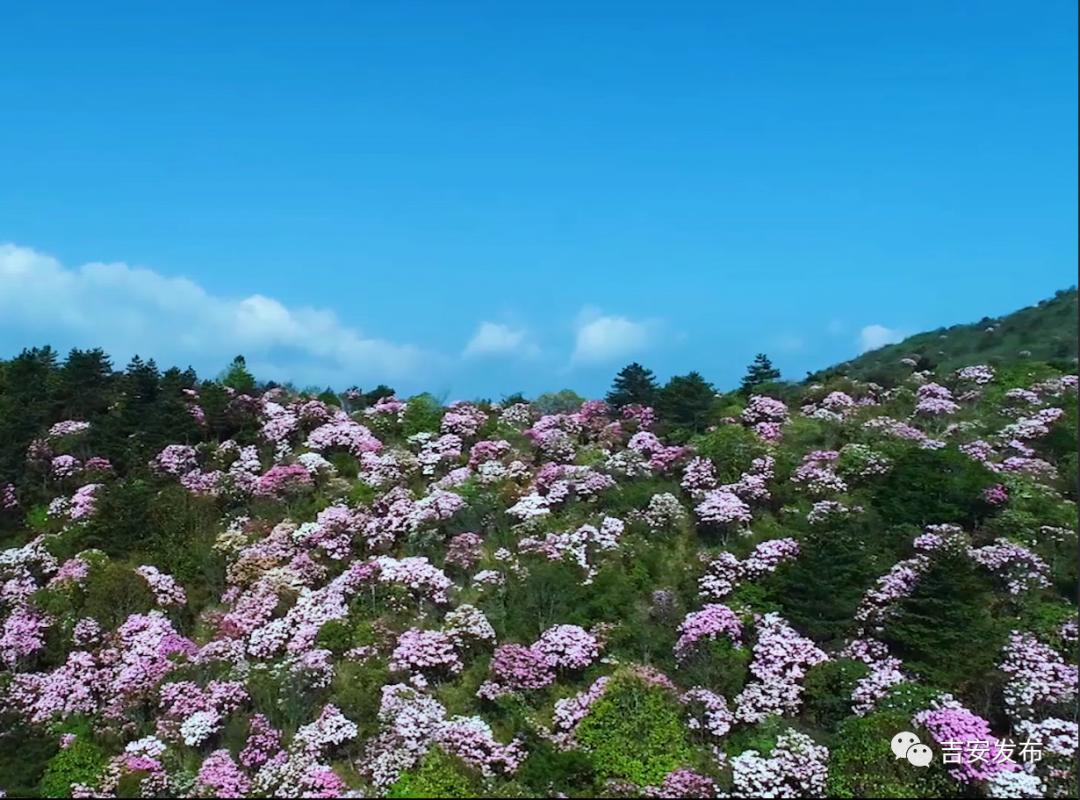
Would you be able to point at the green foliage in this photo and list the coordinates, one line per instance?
(329, 396)
(1045, 618)
(361, 493)
(933, 486)
(81, 762)
(27, 383)
(819, 591)
(377, 394)
(562, 402)
(345, 464)
(731, 448)
(685, 404)
(761, 737)
(634, 732)
(633, 384)
(437, 775)
(908, 698)
(335, 635)
(113, 592)
(946, 630)
(551, 593)
(422, 413)
(760, 372)
(1045, 331)
(861, 763)
(25, 753)
(717, 665)
(169, 528)
(356, 690)
(548, 770)
(827, 691)
(237, 377)
(634, 494)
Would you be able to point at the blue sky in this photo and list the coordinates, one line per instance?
(477, 198)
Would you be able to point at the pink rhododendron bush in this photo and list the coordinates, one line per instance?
(226, 589)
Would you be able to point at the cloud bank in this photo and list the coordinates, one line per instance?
(128, 310)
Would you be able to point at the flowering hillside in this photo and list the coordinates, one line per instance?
(215, 589)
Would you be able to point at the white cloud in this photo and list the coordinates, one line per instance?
(602, 339)
(127, 310)
(872, 337)
(495, 339)
(789, 343)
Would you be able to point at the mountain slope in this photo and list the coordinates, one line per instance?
(1046, 331)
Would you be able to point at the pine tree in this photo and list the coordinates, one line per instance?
(820, 590)
(760, 372)
(685, 403)
(27, 387)
(946, 631)
(633, 384)
(377, 394)
(238, 377)
(85, 381)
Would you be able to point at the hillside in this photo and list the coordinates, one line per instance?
(216, 588)
(1043, 332)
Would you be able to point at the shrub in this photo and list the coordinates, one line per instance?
(819, 591)
(335, 635)
(422, 413)
(548, 770)
(861, 763)
(716, 664)
(731, 448)
(634, 732)
(81, 762)
(563, 402)
(114, 591)
(437, 775)
(827, 691)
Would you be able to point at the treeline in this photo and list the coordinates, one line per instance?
(136, 411)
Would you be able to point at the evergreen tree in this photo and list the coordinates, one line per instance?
(84, 385)
(122, 432)
(215, 403)
(170, 420)
(685, 402)
(926, 487)
(377, 394)
(238, 377)
(27, 386)
(760, 372)
(945, 631)
(633, 384)
(820, 590)
(330, 397)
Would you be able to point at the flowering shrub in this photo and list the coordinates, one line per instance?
(710, 622)
(567, 647)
